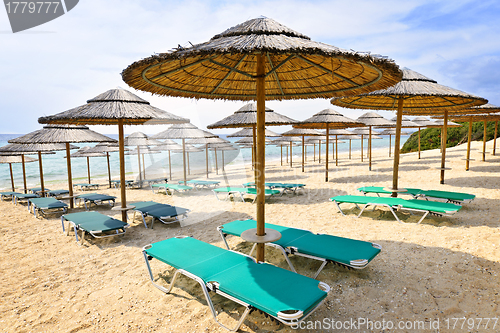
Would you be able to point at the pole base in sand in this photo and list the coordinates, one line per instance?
(270, 235)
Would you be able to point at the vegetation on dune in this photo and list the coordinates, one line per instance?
(430, 138)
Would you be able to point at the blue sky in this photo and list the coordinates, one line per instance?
(61, 64)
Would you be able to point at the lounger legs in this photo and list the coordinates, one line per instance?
(205, 293)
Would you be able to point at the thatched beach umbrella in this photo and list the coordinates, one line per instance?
(88, 153)
(302, 132)
(261, 60)
(414, 95)
(350, 137)
(340, 132)
(168, 145)
(421, 122)
(16, 159)
(185, 150)
(115, 107)
(390, 132)
(106, 148)
(405, 123)
(281, 144)
(63, 134)
(140, 140)
(183, 132)
(31, 149)
(289, 140)
(371, 119)
(222, 148)
(248, 132)
(140, 151)
(328, 119)
(207, 141)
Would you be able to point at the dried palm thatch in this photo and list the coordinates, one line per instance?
(249, 140)
(246, 116)
(182, 131)
(328, 118)
(440, 123)
(106, 148)
(33, 148)
(112, 107)
(391, 131)
(62, 134)
(140, 139)
(16, 159)
(373, 119)
(422, 121)
(295, 68)
(405, 123)
(204, 141)
(248, 132)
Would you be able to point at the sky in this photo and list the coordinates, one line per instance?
(63, 63)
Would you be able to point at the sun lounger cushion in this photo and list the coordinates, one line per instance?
(346, 251)
(201, 183)
(454, 197)
(24, 196)
(244, 190)
(171, 187)
(7, 194)
(56, 193)
(94, 223)
(43, 205)
(160, 211)
(86, 186)
(268, 288)
(96, 198)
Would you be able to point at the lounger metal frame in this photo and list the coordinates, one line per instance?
(45, 210)
(167, 187)
(287, 319)
(425, 197)
(286, 251)
(241, 195)
(94, 233)
(111, 202)
(87, 187)
(393, 210)
(161, 218)
(202, 185)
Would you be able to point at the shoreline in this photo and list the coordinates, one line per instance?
(443, 268)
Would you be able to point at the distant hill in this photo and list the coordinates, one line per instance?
(430, 138)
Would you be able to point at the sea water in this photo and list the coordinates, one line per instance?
(54, 166)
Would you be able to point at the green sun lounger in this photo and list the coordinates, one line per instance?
(8, 194)
(199, 184)
(46, 205)
(162, 212)
(451, 197)
(95, 198)
(94, 223)
(285, 187)
(326, 248)
(170, 188)
(18, 197)
(285, 295)
(241, 192)
(38, 190)
(116, 183)
(57, 193)
(413, 205)
(86, 186)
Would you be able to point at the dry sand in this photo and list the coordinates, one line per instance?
(443, 268)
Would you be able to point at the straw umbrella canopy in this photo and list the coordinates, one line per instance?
(168, 145)
(16, 159)
(350, 137)
(65, 134)
(88, 153)
(248, 132)
(261, 60)
(31, 149)
(183, 132)
(207, 141)
(302, 132)
(328, 119)
(339, 132)
(115, 107)
(106, 148)
(484, 117)
(421, 122)
(140, 151)
(288, 140)
(414, 95)
(372, 119)
(246, 116)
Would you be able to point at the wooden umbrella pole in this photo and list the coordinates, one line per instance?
(88, 168)
(254, 149)
(216, 162)
(370, 148)
(419, 143)
(350, 148)
(362, 150)
(41, 172)
(287, 154)
(206, 156)
(281, 155)
(303, 152)
(390, 144)
(222, 160)
(169, 166)
(109, 169)
(484, 140)
(144, 167)
(139, 163)
(495, 138)
(184, 160)
(291, 151)
(12, 178)
(469, 137)
(261, 178)
(24, 174)
(189, 167)
(327, 144)
(336, 150)
(121, 144)
(397, 142)
(319, 152)
(70, 176)
(444, 140)
(314, 152)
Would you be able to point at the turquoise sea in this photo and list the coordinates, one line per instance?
(54, 166)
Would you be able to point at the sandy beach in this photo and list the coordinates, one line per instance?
(434, 272)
